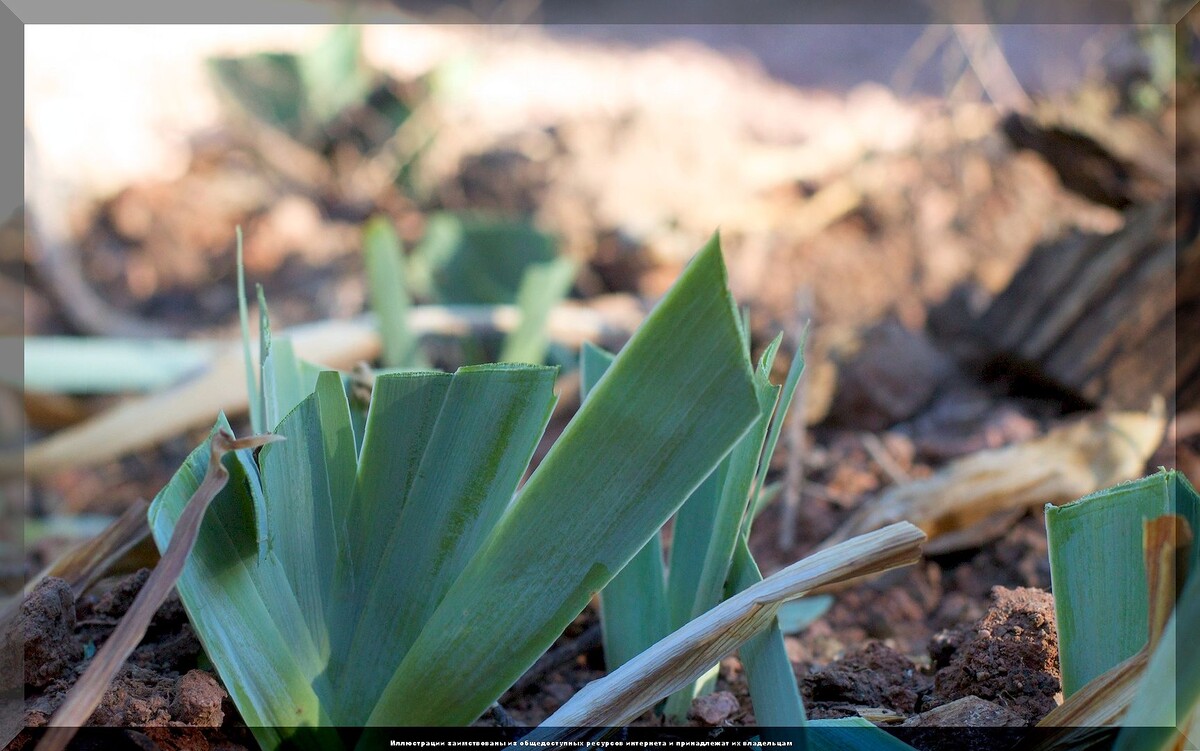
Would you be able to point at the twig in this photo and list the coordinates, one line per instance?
(87, 692)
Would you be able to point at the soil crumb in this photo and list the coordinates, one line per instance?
(1009, 657)
(714, 708)
(47, 627)
(198, 699)
(876, 676)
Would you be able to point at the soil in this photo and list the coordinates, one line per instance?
(160, 688)
(940, 226)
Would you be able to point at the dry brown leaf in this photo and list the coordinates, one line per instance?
(1067, 463)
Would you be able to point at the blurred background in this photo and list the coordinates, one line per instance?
(978, 221)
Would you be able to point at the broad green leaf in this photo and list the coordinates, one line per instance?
(1102, 532)
(675, 401)
(388, 294)
(633, 607)
(480, 445)
(304, 479)
(543, 286)
(773, 690)
(238, 599)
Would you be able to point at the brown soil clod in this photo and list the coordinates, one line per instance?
(715, 708)
(47, 628)
(198, 699)
(1009, 657)
(875, 676)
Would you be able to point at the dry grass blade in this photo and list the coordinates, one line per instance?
(682, 657)
(1102, 701)
(87, 561)
(86, 694)
(1066, 463)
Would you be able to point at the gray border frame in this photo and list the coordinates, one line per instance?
(12, 47)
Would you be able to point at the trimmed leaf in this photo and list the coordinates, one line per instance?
(633, 611)
(240, 602)
(798, 615)
(634, 451)
(88, 691)
(1103, 532)
(483, 438)
(851, 734)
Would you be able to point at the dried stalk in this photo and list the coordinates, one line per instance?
(683, 656)
(87, 692)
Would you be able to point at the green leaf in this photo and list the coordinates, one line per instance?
(795, 370)
(238, 599)
(633, 607)
(305, 477)
(253, 394)
(543, 286)
(267, 86)
(388, 294)
(474, 258)
(642, 442)
(106, 365)
(333, 75)
(483, 438)
(773, 690)
(710, 522)
(851, 734)
(1102, 532)
(798, 615)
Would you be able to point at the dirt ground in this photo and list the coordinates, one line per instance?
(934, 211)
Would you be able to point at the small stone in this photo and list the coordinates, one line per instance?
(715, 708)
(969, 711)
